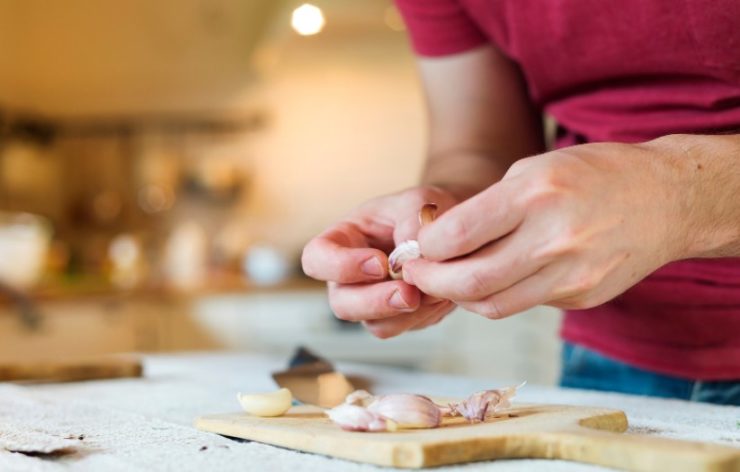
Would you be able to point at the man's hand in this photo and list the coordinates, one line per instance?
(351, 257)
(571, 228)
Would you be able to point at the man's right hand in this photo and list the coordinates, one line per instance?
(352, 257)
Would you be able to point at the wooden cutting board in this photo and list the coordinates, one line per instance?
(583, 434)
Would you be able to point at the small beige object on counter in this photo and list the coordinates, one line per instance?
(266, 404)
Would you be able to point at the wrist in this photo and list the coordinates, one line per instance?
(703, 182)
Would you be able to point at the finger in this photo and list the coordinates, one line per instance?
(475, 222)
(390, 327)
(341, 255)
(535, 290)
(407, 228)
(486, 271)
(445, 309)
(359, 302)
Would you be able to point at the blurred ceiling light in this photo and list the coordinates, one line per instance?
(393, 19)
(307, 19)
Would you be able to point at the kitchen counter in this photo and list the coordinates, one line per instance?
(146, 424)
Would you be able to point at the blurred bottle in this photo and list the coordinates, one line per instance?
(125, 256)
(186, 256)
(24, 242)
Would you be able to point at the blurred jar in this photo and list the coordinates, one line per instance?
(24, 242)
(186, 256)
(266, 265)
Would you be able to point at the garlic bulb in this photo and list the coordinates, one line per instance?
(408, 411)
(266, 404)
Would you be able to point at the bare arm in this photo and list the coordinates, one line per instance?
(480, 119)
(705, 172)
(576, 227)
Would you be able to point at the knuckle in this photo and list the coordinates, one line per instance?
(582, 284)
(380, 331)
(455, 233)
(339, 311)
(519, 165)
(490, 309)
(565, 241)
(475, 286)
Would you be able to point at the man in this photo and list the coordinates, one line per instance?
(632, 225)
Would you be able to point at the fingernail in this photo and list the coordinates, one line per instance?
(397, 301)
(372, 267)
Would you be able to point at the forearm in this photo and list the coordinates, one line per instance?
(464, 174)
(706, 176)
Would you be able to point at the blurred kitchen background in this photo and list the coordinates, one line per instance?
(163, 163)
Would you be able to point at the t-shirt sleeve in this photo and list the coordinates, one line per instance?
(439, 27)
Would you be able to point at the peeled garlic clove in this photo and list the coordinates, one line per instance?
(357, 418)
(405, 251)
(408, 411)
(266, 404)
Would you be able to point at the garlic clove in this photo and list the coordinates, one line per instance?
(357, 418)
(408, 411)
(266, 404)
(405, 251)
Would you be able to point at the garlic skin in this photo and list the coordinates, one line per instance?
(408, 411)
(266, 404)
(360, 398)
(480, 405)
(408, 250)
(405, 251)
(356, 418)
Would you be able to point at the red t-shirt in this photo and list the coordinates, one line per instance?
(624, 71)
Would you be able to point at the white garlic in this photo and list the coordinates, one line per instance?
(407, 411)
(405, 251)
(408, 250)
(266, 404)
(357, 418)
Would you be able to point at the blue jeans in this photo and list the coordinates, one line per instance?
(583, 368)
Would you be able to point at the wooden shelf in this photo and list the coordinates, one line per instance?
(217, 285)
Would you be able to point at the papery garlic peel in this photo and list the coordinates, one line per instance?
(482, 404)
(405, 251)
(266, 404)
(408, 250)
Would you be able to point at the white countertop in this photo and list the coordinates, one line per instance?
(146, 424)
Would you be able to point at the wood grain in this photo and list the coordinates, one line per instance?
(582, 434)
